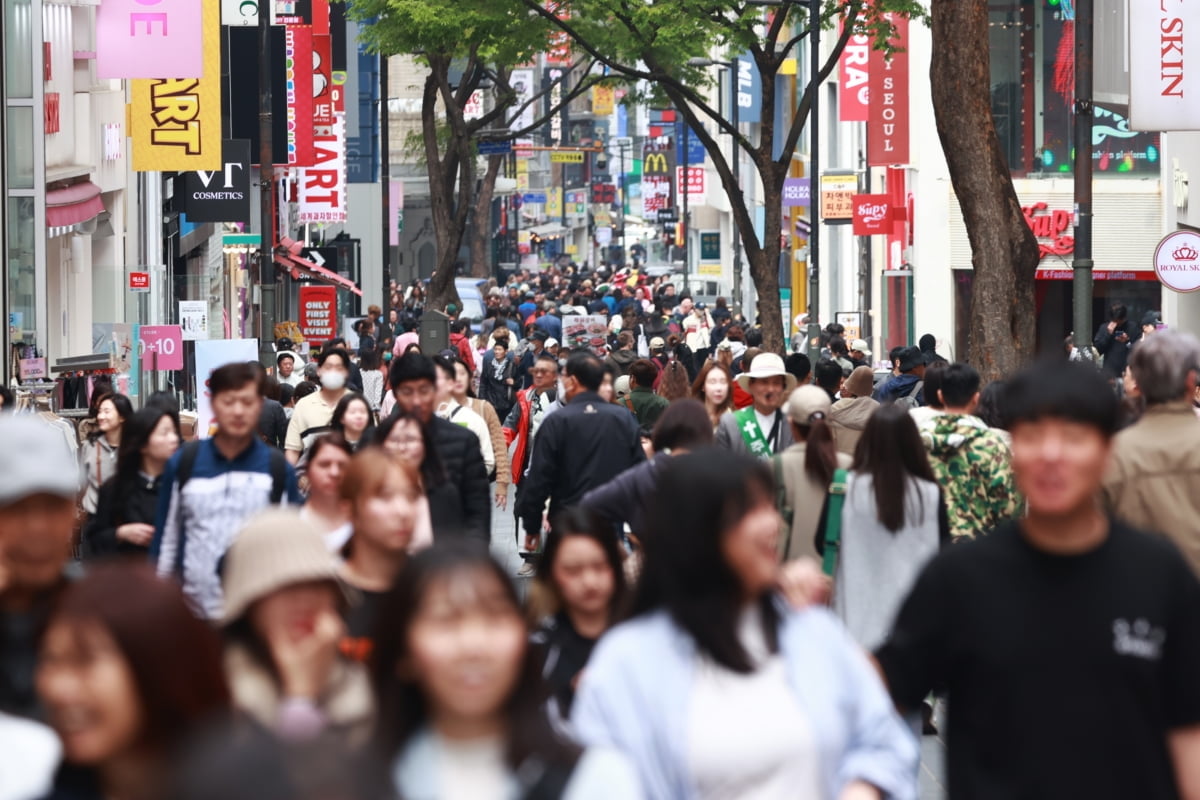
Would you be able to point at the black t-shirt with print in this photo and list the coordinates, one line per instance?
(1064, 673)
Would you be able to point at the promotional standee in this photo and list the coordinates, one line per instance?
(318, 313)
(210, 354)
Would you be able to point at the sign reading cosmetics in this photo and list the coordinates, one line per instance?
(1177, 261)
(224, 195)
(1163, 85)
(318, 313)
(887, 124)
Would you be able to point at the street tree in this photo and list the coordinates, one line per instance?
(1004, 250)
(467, 46)
(662, 44)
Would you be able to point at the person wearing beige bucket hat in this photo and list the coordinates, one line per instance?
(283, 629)
(760, 428)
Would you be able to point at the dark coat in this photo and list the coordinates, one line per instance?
(115, 507)
(465, 508)
(584, 444)
(627, 497)
(273, 423)
(495, 390)
(1116, 353)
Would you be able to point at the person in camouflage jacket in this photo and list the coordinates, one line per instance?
(971, 461)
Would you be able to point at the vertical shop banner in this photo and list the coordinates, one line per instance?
(175, 123)
(854, 71)
(888, 126)
(211, 354)
(603, 100)
(159, 39)
(748, 90)
(1163, 85)
(321, 192)
(522, 86)
(395, 211)
(318, 313)
(299, 89)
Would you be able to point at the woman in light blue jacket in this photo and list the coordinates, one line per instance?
(716, 688)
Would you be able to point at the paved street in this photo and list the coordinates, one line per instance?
(933, 748)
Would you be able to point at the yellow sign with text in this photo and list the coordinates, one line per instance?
(175, 123)
(566, 157)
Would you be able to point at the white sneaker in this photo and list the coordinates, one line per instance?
(527, 570)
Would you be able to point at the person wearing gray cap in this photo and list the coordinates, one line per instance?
(39, 484)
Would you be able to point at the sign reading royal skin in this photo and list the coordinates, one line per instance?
(175, 123)
(1164, 86)
(887, 126)
(872, 214)
(220, 195)
(1177, 261)
(150, 39)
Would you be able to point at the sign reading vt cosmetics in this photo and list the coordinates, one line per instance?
(224, 195)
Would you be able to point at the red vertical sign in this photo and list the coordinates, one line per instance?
(318, 313)
(298, 85)
(854, 74)
(322, 83)
(887, 128)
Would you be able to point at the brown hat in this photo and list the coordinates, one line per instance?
(276, 548)
(860, 383)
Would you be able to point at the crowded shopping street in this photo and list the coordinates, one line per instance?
(545, 400)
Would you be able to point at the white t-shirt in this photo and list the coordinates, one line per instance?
(29, 755)
(765, 424)
(452, 411)
(748, 737)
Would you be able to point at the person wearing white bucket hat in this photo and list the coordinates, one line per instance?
(760, 429)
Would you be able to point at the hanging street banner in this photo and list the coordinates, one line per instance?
(298, 88)
(854, 81)
(888, 123)
(1163, 85)
(219, 195)
(175, 123)
(321, 192)
(160, 39)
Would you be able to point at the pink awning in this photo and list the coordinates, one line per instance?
(295, 265)
(74, 204)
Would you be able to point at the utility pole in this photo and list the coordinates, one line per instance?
(687, 218)
(623, 146)
(1081, 278)
(737, 181)
(814, 149)
(266, 177)
(385, 184)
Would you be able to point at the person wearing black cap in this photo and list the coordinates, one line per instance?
(907, 387)
(1114, 338)
(928, 347)
(537, 343)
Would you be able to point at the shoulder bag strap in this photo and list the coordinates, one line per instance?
(833, 521)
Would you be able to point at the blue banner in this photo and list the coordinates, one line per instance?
(747, 88)
(362, 145)
(695, 148)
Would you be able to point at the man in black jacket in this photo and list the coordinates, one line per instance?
(462, 504)
(582, 445)
(1114, 339)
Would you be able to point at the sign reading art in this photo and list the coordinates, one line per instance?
(321, 195)
(318, 313)
(887, 126)
(150, 39)
(1177, 261)
(175, 123)
(1163, 85)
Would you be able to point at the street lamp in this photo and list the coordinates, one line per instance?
(737, 169)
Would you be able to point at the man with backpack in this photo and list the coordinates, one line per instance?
(971, 462)
(211, 486)
(906, 388)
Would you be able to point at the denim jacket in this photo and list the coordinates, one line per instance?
(635, 693)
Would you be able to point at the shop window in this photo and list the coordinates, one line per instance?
(19, 147)
(22, 286)
(18, 48)
(1033, 84)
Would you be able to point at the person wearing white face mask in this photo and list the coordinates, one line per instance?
(313, 414)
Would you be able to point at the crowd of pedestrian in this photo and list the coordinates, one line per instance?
(750, 575)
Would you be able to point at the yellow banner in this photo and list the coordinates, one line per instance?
(566, 157)
(554, 202)
(175, 123)
(603, 99)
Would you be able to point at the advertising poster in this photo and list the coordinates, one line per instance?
(318, 313)
(211, 354)
(590, 332)
(137, 39)
(193, 319)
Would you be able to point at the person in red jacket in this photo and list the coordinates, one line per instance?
(460, 340)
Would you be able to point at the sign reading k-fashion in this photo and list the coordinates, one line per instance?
(150, 39)
(1164, 82)
(220, 195)
(175, 123)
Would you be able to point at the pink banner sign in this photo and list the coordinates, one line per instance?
(150, 39)
(162, 347)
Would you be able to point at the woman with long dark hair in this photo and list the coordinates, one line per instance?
(579, 594)
(714, 388)
(127, 675)
(354, 419)
(805, 469)
(461, 695)
(127, 503)
(328, 458)
(893, 521)
(98, 455)
(716, 687)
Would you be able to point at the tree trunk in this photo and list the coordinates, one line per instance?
(444, 170)
(481, 223)
(1004, 251)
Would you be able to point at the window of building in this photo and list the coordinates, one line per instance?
(1033, 85)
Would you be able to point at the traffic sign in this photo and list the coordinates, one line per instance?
(326, 257)
(535, 197)
(493, 148)
(566, 157)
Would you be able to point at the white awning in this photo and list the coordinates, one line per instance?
(548, 230)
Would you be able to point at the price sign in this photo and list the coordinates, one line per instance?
(161, 347)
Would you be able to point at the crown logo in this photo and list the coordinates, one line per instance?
(1185, 253)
